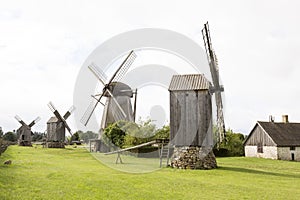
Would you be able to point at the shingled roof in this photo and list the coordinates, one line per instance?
(283, 134)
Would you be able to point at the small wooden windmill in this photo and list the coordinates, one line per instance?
(191, 117)
(24, 133)
(118, 104)
(56, 127)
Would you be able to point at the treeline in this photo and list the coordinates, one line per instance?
(124, 134)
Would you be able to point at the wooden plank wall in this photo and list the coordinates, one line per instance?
(259, 136)
(190, 117)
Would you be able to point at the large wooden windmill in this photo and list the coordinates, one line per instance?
(118, 96)
(191, 117)
(56, 127)
(24, 133)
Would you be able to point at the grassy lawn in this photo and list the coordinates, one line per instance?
(70, 173)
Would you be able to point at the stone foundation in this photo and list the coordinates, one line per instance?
(55, 145)
(193, 158)
(24, 143)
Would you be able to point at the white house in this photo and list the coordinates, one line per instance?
(275, 140)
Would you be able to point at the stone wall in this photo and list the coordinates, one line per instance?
(193, 158)
(250, 151)
(55, 145)
(268, 152)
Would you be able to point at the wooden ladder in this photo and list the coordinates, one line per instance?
(164, 152)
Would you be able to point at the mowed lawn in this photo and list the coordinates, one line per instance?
(73, 173)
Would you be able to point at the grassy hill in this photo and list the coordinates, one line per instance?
(70, 173)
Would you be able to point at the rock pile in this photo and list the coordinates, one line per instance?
(193, 158)
(55, 145)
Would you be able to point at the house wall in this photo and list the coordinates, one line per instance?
(268, 152)
(190, 118)
(284, 153)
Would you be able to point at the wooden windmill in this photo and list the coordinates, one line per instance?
(24, 133)
(191, 117)
(56, 127)
(118, 96)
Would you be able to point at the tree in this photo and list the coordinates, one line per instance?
(10, 136)
(115, 134)
(75, 137)
(232, 145)
(163, 133)
(37, 136)
(86, 136)
(1, 132)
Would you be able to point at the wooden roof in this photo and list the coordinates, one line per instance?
(283, 134)
(189, 82)
(52, 120)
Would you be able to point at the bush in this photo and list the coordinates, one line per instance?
(232, 145)
(10, 136)
(115, 134)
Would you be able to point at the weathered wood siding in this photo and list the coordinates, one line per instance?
(259, 136)
(190, 118)
(24, 134)
(56, 131)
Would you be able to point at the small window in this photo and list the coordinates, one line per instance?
(260, 148)
(292, 148)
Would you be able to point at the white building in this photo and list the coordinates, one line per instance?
(275, 140)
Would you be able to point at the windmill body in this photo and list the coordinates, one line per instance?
(24, 136)
(24, 133)
(122, 96)
(56, 131)
(191, 118)
(118, 96)
(56, 128)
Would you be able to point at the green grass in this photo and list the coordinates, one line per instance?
(70, 173)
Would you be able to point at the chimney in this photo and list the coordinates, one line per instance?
(271, 118)
(285, 118)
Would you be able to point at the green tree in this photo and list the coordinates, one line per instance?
(74, 137)
(37, 136)
(163, 133)
(115, 134)
(86, 136)
(1, 132)
(232, 145)
(10, 136)
(138, 133)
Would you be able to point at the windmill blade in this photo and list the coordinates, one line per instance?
(217, 88)
(69, 112)
(89, 111)
(119, 113)
(220, 117)
(34, 121)
(20, 120)
(134, 108)
(101, 76)
(213, 65)
(51, 106)
(68, 128)
(123, 67)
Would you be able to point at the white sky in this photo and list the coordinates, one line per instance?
(44, 43)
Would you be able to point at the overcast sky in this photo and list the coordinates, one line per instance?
(44, 43)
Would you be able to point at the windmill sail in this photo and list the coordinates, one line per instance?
(59, 117)
(217, 88)
(20, 120)
(34, 121)
(101, 76)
